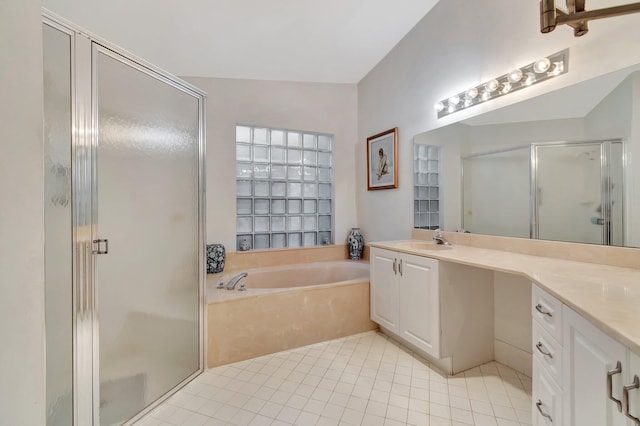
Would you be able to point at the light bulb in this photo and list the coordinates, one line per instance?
(451, 109)
(558, 67)
(506, 88)
(485, 95)
(492, 85)
(529, 79)
(472, 93)
(541, 65)
(454, 100)
(438, 106)
(515, 76)
(467, 102)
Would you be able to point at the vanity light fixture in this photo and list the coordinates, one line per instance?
(534, 73)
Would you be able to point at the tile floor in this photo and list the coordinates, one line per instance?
(364, 379)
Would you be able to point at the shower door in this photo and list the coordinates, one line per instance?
(125, 230)
(577, 190)
(147, 228)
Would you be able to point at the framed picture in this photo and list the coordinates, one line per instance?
(382, 160)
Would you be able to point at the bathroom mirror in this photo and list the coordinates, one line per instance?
(557, 167)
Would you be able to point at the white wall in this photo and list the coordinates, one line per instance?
(460, 44)
(326, 108)
(22, 361)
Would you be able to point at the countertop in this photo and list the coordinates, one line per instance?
(607, 296)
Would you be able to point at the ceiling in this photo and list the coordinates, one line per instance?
(329, 41)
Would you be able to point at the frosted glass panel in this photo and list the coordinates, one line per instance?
(148, 197)
(292, 175)
(565, 214)
(277, 137)
(310, 141)
(261, 189)
(243, 188)
(294, 156)
(243, 134)
(293, 139)
(261, 154)
(278, 155)
(277, 207)
(244, 206)
(261, 206)
(260, 136)
(324, 143)
(57, 214)
(243, 152)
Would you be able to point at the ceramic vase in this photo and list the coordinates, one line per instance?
(216, 255)
(356, 244)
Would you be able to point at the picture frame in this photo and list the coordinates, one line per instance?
(382, 160)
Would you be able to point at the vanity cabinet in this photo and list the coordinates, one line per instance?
(411, 282)
(593, 372)
(578, 371)
(442, 310)
(384, 288)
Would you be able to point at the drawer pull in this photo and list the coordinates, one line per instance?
(625, 399)
(542, 413)
(541, 348)
(395, 266)
(610, 375)
(400, 267)
(543, 311)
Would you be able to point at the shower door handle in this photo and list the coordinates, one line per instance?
(597, 221)
(98, 249)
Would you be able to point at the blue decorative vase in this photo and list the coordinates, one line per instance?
(215, 258)
(356, 244)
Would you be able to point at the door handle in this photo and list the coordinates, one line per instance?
(400, 267)
(597, 221)
(625, 399)
(540, 347)
(542, 413)
(543, 311)
(97, 249)
(395, 266)
(610, 375)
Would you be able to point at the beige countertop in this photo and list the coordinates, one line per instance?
(607, 296)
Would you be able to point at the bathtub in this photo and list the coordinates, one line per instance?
(284, 307)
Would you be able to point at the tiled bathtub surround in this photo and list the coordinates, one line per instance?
(363, 380)
(285, 307)
(273, 257)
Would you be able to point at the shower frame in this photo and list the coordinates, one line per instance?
(85, 326)
(605, 182)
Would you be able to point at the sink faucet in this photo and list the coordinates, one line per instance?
(440, 239)
(235, 280)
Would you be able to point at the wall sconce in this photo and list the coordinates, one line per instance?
(534, 73)
(577, 17)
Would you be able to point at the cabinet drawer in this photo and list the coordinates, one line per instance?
(546, 401)
(548, 352)
(547, 310)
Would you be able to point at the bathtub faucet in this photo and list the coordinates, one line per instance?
(235, 280)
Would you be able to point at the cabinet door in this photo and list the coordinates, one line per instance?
(546, 398)
(419, 298)
(589, 356)
(384, 289)
(633, 392)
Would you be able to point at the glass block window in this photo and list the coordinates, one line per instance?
(426, 187)
(284, 188)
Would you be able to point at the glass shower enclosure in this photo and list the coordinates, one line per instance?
(124, 148)
(563, 191)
